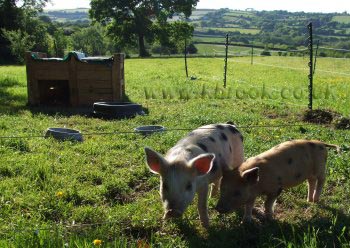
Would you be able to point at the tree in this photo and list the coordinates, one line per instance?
(136, 21)
(20, 43)
(12, 16)
(90, 40)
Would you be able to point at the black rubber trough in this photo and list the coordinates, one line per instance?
(64, 134)
(117, 110)
(147, 130)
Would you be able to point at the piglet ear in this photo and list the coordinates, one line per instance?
(203, 163)
(251, 175)
(154, 160)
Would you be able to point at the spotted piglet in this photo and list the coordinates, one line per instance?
(192, 164)
(284, 166)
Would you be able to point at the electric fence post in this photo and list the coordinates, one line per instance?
(225, 67)
(310, 46)
(252, 55)
(185, 51)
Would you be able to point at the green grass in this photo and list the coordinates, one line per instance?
(230, 30)
(342, 19)
(104, 183)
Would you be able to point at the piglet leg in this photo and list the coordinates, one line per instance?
(203, 205)
(248, 211)
(311, 189)
(269, 206)
(320, 182)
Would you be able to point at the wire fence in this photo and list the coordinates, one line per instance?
(165, 130)
(259, 55)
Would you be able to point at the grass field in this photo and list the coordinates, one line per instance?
(342, 19)
(230, 30)
(64, 194)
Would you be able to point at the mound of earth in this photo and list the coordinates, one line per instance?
(319, 116)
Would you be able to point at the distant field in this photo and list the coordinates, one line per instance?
(228, 30)
(209, 38)
(219, 50)
(235, 13)
(342, 19)
(83, 10)
(198, 14)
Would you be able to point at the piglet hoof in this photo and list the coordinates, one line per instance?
(172, 214)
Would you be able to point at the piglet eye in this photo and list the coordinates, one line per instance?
(189, 187)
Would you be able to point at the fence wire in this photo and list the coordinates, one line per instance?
(166, 130)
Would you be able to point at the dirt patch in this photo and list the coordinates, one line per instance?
(319, 116)
(342, 123)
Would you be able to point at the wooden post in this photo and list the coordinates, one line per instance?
(32, 85)
(310, 65)
(73, 82)
(118, 86)
(226, 55)
(185, 51)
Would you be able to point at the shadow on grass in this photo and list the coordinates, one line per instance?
(314, 232)
(86, 111)
(10, 103)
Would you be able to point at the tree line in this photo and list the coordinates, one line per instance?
(115, 26)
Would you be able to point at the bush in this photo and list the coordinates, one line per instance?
(192, 49)
(20, 43)
(265, 53)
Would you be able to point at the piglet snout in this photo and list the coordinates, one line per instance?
(172, 213)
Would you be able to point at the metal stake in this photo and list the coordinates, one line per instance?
(310, 65)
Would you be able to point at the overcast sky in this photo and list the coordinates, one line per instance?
(290, 5)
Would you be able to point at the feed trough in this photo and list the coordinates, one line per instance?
(64, 134)
(117, 109)
(147, 130)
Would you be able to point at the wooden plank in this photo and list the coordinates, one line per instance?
(89, 99)
(95, 91)
(93, 75)
(93, 67)
(56, 74)
(117, 74)
(32, 84)
(50, 65)
(84, 84)
(73, 87)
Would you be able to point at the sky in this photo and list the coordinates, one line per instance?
(290, 5)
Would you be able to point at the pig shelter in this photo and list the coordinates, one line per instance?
(74, 80)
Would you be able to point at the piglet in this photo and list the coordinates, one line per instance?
(192, 164)
(284, 166)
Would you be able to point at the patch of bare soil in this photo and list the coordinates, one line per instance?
(319, 116)
(342, 123)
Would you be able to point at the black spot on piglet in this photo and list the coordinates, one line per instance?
(221, 127)
(223, 136)
(203, 147)
(233, 129)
